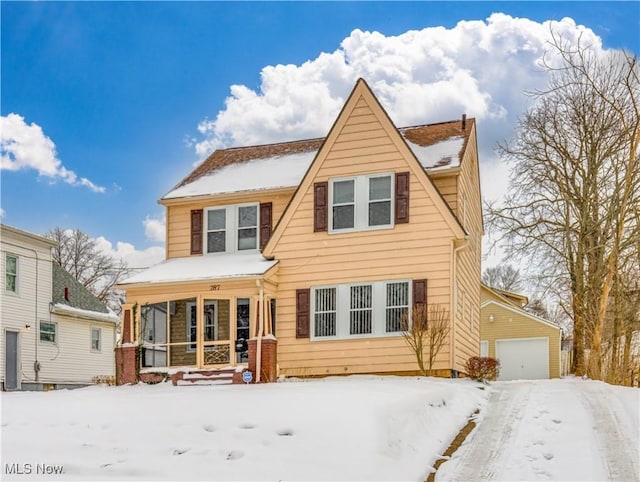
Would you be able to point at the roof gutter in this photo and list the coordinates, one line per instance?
(60, 309)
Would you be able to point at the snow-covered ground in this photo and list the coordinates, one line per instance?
(569, 429)
(345, 428)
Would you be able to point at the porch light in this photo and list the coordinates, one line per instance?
(491, 318)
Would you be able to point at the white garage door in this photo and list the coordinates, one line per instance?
(523, 359)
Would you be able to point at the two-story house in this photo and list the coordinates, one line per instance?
(55, 333)
(316, 250)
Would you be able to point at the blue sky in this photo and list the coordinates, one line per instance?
(121, 88)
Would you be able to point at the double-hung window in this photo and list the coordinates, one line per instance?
(360, 310)
(11, 273)
(397, 307)
(362, 202)
(379, 308)
(96, 339)
(231, 229)
(48, 332)
(324, 315)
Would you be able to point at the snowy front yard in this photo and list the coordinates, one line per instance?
(349, 428)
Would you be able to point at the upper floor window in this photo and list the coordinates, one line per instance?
(11, 273)
(362, 202)
(231, 228)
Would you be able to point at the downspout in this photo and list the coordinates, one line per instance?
(454, 288)
(261, 310)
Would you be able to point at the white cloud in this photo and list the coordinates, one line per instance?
(154, 229)
(24, 146)
(3, 213)
(435, 74)
(135, 258)
(429, 75)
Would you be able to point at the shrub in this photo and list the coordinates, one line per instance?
(482, 369)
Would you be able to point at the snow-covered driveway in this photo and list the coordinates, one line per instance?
(568, 429)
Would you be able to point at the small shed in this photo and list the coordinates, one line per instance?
(527, 346)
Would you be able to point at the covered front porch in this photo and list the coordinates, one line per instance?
(193, 324)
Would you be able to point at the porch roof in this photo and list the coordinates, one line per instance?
(207, 267)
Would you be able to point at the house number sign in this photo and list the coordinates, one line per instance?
(214, 288)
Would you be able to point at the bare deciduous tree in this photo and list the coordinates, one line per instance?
(428, 328)
(502, 277)
(99, 272)
(572, 209)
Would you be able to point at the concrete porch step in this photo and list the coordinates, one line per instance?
(204, 377)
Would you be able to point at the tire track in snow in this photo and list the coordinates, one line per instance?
(621, 460)
(485, 448)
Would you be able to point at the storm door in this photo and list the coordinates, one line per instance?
(216, 333)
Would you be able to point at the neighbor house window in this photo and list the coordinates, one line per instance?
(361, 202)
(231, 228)
(96, 339)
(48, 332)
(358, 310)
(11, 273)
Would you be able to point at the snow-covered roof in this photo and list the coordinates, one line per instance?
(208, 267)
(264, 173)
(439, 156)
(437, 146)
(62, 309)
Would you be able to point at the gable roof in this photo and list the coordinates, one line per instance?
(516, 299)
(438, 147)
(362, 90)
(520, 311)
(80, 301)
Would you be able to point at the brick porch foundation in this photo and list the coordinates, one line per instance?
(126, 364)
(268, 368)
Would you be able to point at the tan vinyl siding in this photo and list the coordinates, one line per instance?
(510, 324)
(417, 250)
(448, 187)
(468, 266)
(179, 215)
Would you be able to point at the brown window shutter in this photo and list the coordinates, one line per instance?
(320, 206)
(419, 293)
(302, 313)
(196, 231)
(266, 213)
(402, 197)
(126, 327)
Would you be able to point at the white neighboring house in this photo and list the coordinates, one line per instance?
(55, 333)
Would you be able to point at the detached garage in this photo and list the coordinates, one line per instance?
(527, 346)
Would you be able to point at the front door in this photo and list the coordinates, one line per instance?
(11, 360)
(217, 340)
